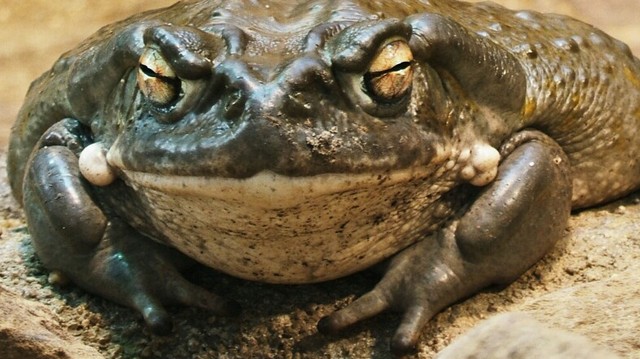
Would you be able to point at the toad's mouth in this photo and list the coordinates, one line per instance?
(268, 189)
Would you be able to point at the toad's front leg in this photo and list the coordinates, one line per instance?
(510, 226)
(77, 236)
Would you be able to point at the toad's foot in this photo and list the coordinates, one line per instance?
(511, 225)
(77, 236)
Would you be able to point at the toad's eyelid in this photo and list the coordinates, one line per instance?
(356, 46)
(179, 47)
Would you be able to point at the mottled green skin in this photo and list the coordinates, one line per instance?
(277, 164)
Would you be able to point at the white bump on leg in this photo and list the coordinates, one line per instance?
(94, 167)
(484, 161)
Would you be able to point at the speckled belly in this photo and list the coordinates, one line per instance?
(278, 229)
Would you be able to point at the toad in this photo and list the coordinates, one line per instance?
(298, 142)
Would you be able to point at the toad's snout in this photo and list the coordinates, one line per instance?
(298, 90)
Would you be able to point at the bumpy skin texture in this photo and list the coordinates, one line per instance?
(279, 159)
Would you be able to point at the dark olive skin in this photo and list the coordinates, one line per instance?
(304, 141)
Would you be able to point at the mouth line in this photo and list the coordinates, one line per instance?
(268, 189)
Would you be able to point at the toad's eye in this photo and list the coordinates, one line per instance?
(390, 74)
(156, 79)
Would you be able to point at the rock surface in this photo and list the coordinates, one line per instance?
(607, 311)
(29, 330)
(518, 336)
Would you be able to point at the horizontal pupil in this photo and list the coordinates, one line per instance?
(169, 80)
(399, 67)
(166, 90)
(147, 71)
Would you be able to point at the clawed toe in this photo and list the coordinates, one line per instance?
(155, 316)
(183, 292)
(142, 274)
(416, 287)
(402, 345)
(364, 307)
(151, 301)
(406, 337)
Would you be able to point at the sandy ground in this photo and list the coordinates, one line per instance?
(279, 321)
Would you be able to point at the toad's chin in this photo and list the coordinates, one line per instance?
(280, 229)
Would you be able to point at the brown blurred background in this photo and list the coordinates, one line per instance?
(34, 33)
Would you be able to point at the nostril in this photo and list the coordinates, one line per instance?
(235, 84)
(308, 72)
(306, 81)
(300, 99)
(298, 104)
(234, 105)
